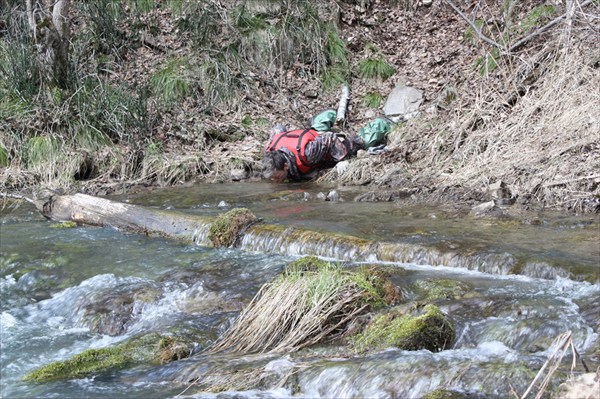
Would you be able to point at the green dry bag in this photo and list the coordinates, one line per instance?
(375, 132)
(324, 121)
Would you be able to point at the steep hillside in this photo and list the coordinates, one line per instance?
(169, 91)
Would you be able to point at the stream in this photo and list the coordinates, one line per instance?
(53, 279)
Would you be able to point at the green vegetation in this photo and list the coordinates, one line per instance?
(372, 100)
(337, 70)
(536, 16)
(225, 229)
(374, 66)
(432, 330)
(4, 161)
(152, 348)
(171, 83)
(112, 111)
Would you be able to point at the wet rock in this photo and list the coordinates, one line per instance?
(238, 174)
(222, 204)
(500, 193)
(403, 101)
(114, 312)
(431, 330)
(544, 270)
(382, 196)
(486, 209)
(333, 196)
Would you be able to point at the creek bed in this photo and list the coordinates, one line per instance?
(51, 277)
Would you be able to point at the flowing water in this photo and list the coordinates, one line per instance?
(52, 279)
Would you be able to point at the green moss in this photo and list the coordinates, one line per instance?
(379, 290)
(152, 348)
(431, 330)
(432, 290)
(225, 229)
(64, 225)
(443, 394)
(3, 157)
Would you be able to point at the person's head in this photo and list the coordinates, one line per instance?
(274, 166)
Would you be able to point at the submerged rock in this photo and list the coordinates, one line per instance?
(431, 330)
(443, 394)
(113, 312)
(432, 289)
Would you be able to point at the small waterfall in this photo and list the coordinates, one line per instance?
(293, 241)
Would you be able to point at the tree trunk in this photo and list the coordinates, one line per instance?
(49, 24)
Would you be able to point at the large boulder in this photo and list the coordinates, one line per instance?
(403, 101)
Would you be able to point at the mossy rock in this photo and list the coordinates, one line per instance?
(225, 229)
(443, 394)
(151, 348)
(431, 330)
(433, 290)
(64, 225)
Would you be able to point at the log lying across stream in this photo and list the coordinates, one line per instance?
(86, 209)
(273, 238)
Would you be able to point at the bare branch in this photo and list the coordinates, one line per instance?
(60, 12)
(480, 35)
(31, 20)
(543, 29)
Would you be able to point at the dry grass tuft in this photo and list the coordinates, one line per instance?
(298, 309)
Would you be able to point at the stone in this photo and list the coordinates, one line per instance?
(333, 196)
(483, 208)
(403, 100)
(238, 174)
(341, 167)
(311, 93)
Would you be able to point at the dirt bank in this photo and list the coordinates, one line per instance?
(515, 123)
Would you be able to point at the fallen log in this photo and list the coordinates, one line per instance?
(86, 209)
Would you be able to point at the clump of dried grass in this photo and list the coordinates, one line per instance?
(302, 307)
(542, 142)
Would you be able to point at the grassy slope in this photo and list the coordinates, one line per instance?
(184, 97)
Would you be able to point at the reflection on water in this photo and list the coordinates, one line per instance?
(51, 278)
